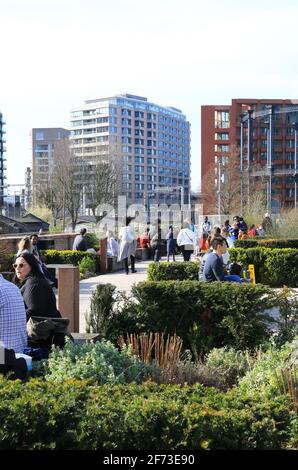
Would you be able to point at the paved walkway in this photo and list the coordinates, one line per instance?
(120, 279)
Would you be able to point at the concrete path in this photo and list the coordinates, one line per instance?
(120, 279)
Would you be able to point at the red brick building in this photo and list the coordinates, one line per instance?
(269, 138)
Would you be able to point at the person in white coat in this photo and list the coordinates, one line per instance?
(187, 241)
(128, 245)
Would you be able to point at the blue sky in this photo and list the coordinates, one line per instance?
(57, 53)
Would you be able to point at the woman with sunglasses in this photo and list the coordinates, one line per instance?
(37, 293)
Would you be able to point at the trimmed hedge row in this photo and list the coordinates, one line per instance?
(274, 267)
(75, 415)
(69, 257)
(168, 271)
(267, 243)
(204, 315)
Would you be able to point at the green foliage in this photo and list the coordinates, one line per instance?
(267, 243)
(203, 315)
(87, 266)
(102, 301)
(92, 240)
(99, 362)
(261, 378)
(287, 301)
(69, 257)
(6, 261)
(274, 267)
(165, 271)
(76, 415)
(230, 362)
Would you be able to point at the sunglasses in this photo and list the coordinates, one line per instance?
(21, 265)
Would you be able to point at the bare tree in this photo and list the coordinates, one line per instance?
(104, 182)
(48, 194)
(71, 177)
(222, 184)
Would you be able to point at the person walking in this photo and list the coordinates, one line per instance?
(206, 226)
(186, 240)
(128, 245)
(171, 243)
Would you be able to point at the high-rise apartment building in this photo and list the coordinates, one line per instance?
(44, 141)
(2, 161)
(265, 133)
(152, 143)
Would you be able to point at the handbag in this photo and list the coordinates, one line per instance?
(42, 328)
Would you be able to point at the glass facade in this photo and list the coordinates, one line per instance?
(143, 131)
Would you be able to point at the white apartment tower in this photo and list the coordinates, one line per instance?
(151, 141)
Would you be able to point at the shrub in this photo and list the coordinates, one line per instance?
(274, 267)
(287, 301)
(70, 257)
(102, 301)
(6, 261)
(92, 240)
(87, 266)
(267, 243)
(261, 378)
(75, 415)
(99, 362)
(203, 315)
(165, 271)
(231, 363)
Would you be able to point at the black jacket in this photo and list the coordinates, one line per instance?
(39, 298)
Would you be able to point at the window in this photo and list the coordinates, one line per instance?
(40, 135)
(126, 112)
(139, 186)
(126, 122)
(139, 159)
(126, 149)
(290, 155)
(126, 130)
(105, 119)
(139, 141)
(221, 148)
(42, 148)
(139, 177)
(126, 140)
(139, 114)
(221, 136)
(290, 192)
(139, 151)
(139, 123)
(151, 169)
(139, 132)
(222, 119)
(139, 169)
(290, 144)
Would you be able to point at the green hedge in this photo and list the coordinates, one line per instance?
(274, 267)
(267, 243)
(204, 315)
(165, 271)
(75, 415)
(69, 257)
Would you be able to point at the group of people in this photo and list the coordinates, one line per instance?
(238, 230)
(30, 294)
